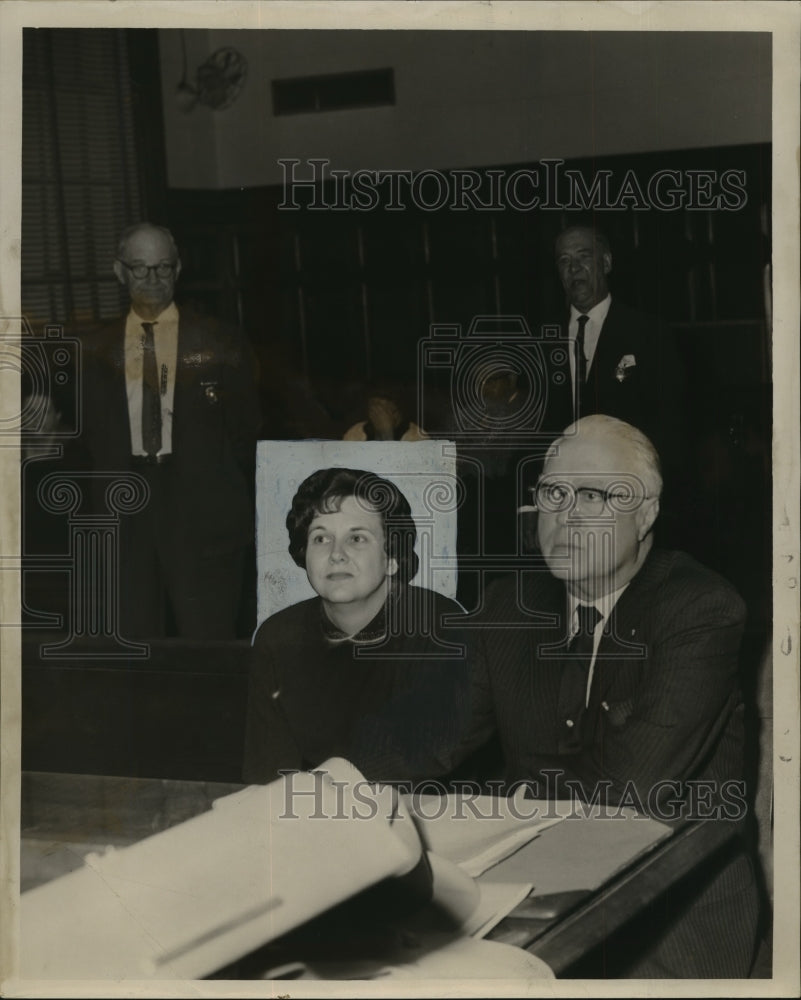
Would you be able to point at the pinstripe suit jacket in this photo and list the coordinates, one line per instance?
(664, 703)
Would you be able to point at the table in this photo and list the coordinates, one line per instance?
(573, 907)
(581, 920)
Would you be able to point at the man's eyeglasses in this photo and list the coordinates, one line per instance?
(556, 497)
(143, 270)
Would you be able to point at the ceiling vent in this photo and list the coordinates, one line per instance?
(367, 88)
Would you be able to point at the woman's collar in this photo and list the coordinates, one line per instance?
(374, 631)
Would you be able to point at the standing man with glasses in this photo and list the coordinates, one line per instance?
(609, 672)
(172, 396)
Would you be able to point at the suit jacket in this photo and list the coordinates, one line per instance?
(215, 424)
(650, 394)
(664, 702)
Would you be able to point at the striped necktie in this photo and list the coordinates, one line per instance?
(151, 399)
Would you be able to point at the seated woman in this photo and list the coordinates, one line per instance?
(367, 670)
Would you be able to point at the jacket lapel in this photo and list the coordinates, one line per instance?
(610, 349)
(190, 360)
(545, 643)
(115, 390)
(622, 647)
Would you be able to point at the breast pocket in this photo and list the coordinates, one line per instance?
(617, 713)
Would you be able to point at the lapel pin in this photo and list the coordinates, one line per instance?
(211, 392)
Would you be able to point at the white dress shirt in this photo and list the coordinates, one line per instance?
(604, 605)
(165, 336)
(592, 332)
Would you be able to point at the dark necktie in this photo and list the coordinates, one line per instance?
(580, 357)
(151, 399)
(582, 642)
(573, 683)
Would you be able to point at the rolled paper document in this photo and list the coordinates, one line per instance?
(194, 898)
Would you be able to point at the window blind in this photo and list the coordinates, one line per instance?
(79, 173)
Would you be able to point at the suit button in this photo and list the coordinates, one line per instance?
(569, 723)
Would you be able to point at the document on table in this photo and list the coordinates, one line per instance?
(591, 846)
(497, 901)
(479, 832)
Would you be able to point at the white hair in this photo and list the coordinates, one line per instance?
(602, 428)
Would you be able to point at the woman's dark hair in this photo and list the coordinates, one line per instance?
(323, 492)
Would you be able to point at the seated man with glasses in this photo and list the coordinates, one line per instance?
(609, 672)
(171, 395)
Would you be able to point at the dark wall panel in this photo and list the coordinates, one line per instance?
(179, 714)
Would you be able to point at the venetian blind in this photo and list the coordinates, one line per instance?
(79, 172)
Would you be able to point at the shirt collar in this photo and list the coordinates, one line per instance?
(604, 604)
(168, 315)
(373, 632)
(598, 312)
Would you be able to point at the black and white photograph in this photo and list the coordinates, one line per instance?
(399, 432)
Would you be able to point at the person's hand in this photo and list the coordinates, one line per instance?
(384, 415)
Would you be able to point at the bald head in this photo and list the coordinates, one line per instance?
(147, 230)
(148, 265)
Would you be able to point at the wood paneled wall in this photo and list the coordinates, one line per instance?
(342, 296)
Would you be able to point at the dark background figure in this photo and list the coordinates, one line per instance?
(292, 408)
(188, 425)
(488, 463)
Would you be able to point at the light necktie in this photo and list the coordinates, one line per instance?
(580, 357)
(151, 398)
